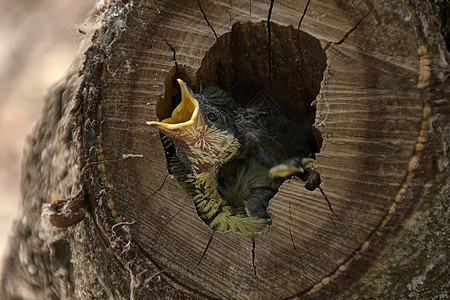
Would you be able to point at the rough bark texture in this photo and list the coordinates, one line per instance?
(377, 74)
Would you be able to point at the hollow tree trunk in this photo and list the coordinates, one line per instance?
(376, 73)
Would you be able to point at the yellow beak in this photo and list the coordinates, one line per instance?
(184, 114)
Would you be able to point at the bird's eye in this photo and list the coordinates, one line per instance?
(212, 117)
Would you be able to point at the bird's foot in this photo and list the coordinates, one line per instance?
(290, 168)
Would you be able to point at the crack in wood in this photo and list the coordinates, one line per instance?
(301, 19)
(206, 248)
(167, 223)
(313, 182)
(171, 218)
(254, 254)
(332, 221)
(292, 238)
(210, 26)
(159, 188)
(171, 48)
(347, 34)
(269, 40)
(296, 249)
(352, 29)
(206, 19)
(328, 201)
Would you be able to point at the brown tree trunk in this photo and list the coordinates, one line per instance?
(376, 73)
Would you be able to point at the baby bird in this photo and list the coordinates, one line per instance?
(230, 160)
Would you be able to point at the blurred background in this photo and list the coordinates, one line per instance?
(38, 40)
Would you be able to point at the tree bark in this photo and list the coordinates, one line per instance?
(377, 76)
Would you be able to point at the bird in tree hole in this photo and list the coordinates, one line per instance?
(230, 159)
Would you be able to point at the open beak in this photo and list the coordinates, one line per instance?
(183, 115)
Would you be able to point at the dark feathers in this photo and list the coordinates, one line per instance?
(272, 140)
(265, 142)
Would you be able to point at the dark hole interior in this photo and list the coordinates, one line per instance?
(291, 76)
(284, 76)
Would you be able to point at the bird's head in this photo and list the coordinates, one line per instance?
(201, 127)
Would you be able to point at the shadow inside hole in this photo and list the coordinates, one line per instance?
(172, 93)
(289, 73)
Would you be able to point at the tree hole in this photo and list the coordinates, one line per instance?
(283, 77)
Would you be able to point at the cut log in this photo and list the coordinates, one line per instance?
(372, 75)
